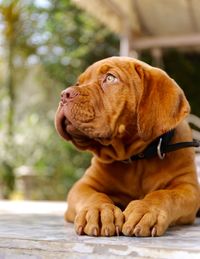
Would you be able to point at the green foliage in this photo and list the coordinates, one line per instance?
(53, 46)
(73, 41)
(8, 179)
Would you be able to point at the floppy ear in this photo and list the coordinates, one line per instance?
(162, 104)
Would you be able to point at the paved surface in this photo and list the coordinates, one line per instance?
(37, 230)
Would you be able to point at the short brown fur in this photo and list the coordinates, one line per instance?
(116, 120)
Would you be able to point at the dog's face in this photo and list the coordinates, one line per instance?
(102, 102)
(117, 98)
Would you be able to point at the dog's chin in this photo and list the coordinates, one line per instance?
(73, 133)
(65, 128)
(69, 131)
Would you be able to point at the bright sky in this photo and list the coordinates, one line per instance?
(39, 3)
(42, 3)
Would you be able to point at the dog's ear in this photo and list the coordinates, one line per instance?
(162, 104)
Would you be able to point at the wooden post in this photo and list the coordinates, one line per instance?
(124, 45)
(157, 57)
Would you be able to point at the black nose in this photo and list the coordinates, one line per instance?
(68, 94)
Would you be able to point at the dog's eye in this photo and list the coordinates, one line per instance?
(110, 79)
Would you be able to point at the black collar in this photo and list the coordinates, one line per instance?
(160, 146)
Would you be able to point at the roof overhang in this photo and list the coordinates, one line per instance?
(149, 24)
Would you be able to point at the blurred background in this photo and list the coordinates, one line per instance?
(46, 44)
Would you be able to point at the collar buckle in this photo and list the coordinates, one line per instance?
(159, 153)
(127, 161)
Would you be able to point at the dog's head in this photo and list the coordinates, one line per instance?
(118, 99)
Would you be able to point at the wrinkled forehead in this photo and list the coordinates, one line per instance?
(115, 64)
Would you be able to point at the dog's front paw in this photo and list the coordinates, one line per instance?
(106, 220)
(143, 220)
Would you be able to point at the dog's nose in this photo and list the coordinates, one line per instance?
(68, 94)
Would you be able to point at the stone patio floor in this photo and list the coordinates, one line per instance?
(37, 230)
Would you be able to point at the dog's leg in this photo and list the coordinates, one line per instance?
(160, 209)
(92, 212)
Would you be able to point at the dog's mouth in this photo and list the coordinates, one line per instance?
(81, 134)
(66, 128)
(70, 129)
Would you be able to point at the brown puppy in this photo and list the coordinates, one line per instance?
(117, 108)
